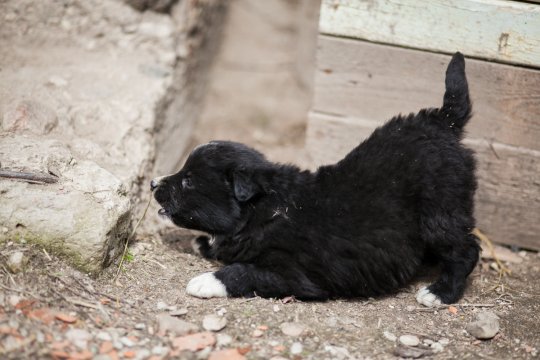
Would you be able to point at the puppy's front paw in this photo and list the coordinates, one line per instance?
(206, 286)
(427, 298)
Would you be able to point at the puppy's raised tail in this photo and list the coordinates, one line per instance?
(456, 109)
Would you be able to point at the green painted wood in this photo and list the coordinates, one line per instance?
(505, 31)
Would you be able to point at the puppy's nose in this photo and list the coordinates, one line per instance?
(153, 185)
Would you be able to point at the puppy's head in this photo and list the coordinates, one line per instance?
(209, 192)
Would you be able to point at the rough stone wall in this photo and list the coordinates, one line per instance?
(83, 86)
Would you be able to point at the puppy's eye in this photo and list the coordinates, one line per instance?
(186, 183)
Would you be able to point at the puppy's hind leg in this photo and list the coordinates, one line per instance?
(247, 280)
(458, 261)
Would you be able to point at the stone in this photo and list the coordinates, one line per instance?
(223, 340)
(160, 350)
(29, 117)
(179, 312)
(409, 340)
(99, 115)
(411, 352)
(214, 322)
(167, 323)
(85, 216)
(161, 305)
(127, 341)
(79, 337)
(14, 300)
(444, 341)
(485, 326)
(16, 262)
(296, 348)
(437, 347)
(337, 352)
(104, 336)
(194, 342)
(227, 354)
(293, 329)
(142, 354)
(257, 333)
(140, 326)
(388, 335)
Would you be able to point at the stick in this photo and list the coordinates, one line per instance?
(81, 303)
(130, 236)
(30, 177)
(503, 270)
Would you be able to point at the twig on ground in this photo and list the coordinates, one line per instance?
(47, 254)
(503, 270)
(81, 303)
(129, 238)
(157, 263)
(9, 275)
(29, 177)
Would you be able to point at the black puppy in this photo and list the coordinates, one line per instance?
(362, 227)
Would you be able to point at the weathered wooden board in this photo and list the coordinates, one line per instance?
(506, 31)
(375, 82)
(508, 197)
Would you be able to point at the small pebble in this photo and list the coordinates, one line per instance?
(409, 340)
(437, 347)
(222, 311)
(127, 341)
(444, 341)
(140, 326)
(16, 262)
(292, 328)
(104, 336)
(179, 312)
(214, 322)
(388, 335)
(485, 326)
(296, 348)
(161, 305)
(223, 339)
(411, 308)
(160, 350)
(257, 333)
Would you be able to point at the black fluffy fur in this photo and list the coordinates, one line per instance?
(359, 228)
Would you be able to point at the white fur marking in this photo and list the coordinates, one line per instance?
(426, 298)
(206, 286)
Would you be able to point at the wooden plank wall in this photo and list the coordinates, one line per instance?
(501, 30)
(360, 85)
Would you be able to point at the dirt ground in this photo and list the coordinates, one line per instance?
(50, 310)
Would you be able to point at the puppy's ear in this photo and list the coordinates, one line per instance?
(245, 186)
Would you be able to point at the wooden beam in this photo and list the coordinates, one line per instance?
(506, 31)
(375, 82)
(508, 197)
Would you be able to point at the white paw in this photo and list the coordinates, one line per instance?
(206, 286)
(426, 298)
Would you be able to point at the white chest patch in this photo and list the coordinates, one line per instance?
(426, 298)
(206, 286)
